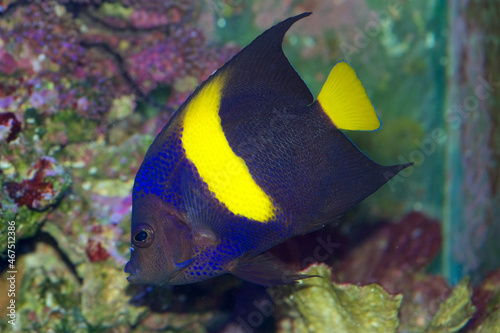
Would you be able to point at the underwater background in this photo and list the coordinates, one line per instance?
(85, 86)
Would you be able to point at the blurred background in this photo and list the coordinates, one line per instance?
(85, 86)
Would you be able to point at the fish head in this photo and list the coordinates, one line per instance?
(161, 239)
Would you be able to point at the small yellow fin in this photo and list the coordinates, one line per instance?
(344, 100)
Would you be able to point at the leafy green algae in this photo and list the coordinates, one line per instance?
(455, 312)
(319, 305)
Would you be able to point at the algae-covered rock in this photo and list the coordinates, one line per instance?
(47, 294)
(44, 185)
(176, 323)
(486, 299)
(27, 201)
(122, 107)
(395, 256)
(455, 312)
(104, 303)
(319, 305)
(52, 298)
(490, 324)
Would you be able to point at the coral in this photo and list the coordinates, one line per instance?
(9, 127)
(195, 323)
(321, 305)
(485, 299)
(80, 82)
(454, 313)
(102, 302)
(109, 51)
(389, 262)
(95, 251)
(490, 324)
(52, 298)
(48, 292)
(46, 184)
(28, 200)
(407, 246)
(395, 256)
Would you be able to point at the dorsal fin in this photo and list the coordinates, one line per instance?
(262, 68)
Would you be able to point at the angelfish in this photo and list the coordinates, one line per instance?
(247, 162)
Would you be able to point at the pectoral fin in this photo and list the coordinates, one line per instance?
(267, 270)
(184, 264)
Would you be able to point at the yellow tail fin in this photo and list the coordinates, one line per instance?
(344, 100)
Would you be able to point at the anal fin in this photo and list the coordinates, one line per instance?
(267, 270)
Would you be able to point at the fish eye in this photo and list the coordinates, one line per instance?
(144, 236)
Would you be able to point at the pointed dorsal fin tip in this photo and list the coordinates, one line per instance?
(291, 20)
(299, 16)
(283, 26)
(262, 67)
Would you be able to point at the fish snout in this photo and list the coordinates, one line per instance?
(129, 268)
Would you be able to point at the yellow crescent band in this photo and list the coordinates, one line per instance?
(226, 174)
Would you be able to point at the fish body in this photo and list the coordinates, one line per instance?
(247, 162)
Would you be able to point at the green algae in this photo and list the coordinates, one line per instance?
(46, 291)
(455, 311)
(8, 212)
(73, 126)
(122, 107)
(52, 298)
(102, 294)
(319, 305)
(116, 10)
(27, 222)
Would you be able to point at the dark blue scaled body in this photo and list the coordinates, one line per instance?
(182, 229)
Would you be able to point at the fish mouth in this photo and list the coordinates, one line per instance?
(129, 268)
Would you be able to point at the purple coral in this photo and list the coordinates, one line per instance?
(83, 65)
